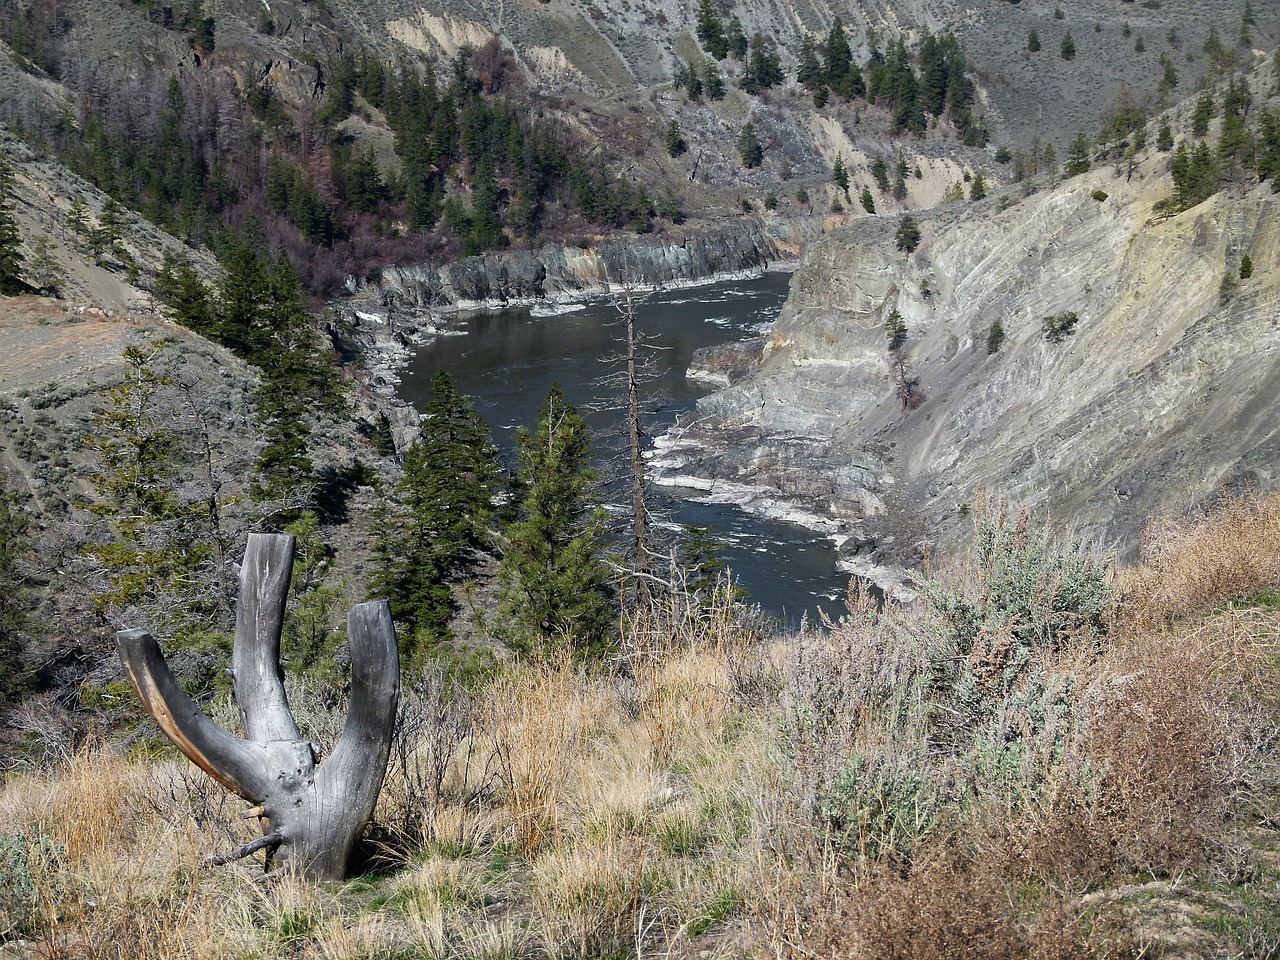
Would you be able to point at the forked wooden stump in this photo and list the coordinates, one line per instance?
(311, 813)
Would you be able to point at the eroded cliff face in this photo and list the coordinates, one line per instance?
(1165, 394)
(743, 245)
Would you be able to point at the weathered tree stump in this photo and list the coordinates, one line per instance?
(310, 813)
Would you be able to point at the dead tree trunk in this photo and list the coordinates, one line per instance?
(310, 813)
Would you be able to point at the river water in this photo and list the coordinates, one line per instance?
(507, 360)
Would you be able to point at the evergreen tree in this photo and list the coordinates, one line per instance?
(362, 187)
(735, 38)
(1078, 156)
(437, 525)
(907, 236)
(181, 289)
(710, 30)
(1235, 144)
(1164, 139)
(1068, 48)
(978, 189)
(840, 175)
(995, 337)
(749, 148)
(896, 86)
(157, 541)
(1169, 78)
(712, 80)
(933, 75)
(868, 202)
(1246, 267)
(553, 582)
(1204, 112)
(839, 71)
(1195, 175)
(808, 69)
(675, 140)
(1267, 165)
(1049, 160)
(690, 77)
(764, 69)
(895, 328)
(880, 173)
(10, 239)
(1033, 41)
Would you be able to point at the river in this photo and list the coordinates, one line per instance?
(506, 361)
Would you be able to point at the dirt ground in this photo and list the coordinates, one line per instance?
(47, 342)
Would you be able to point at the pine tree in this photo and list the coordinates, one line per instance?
(1164, 139)
(180, 288)
(1068, 48)
(1246, 267)
(157, 541)
(995, 337)
(868, 202)
(10, 239)
(735, 38)
(895, 329)
(840, 175)
(553, 582)
(712, 80)
(1078, 156)
(1204, 112)
(838, 69)
(1267, 165)
(880, 173)
(437, 525)
(675, 140)
(1235, 144)
(808, 69)
(1033, 41)
(978, 189)
(933, 75)
(710, 30)
(764, 69)
(907, 237)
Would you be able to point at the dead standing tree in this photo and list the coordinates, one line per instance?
(310, 813)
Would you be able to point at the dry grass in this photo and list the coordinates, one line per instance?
(937, 787)
(1185, 567)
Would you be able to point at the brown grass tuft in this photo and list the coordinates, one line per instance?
(1230, 554)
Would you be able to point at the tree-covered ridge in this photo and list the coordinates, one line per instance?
(471, 159)
(203, 155)
(939, 86)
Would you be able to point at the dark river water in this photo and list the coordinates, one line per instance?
(507, 360)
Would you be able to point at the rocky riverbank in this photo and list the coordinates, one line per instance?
(389, 316)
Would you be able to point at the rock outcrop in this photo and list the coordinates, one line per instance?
(558, 274)
(1162, 396)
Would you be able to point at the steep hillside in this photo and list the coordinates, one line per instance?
(1161, 395)
(267, 126)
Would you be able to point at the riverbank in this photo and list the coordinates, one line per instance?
(387, 318)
